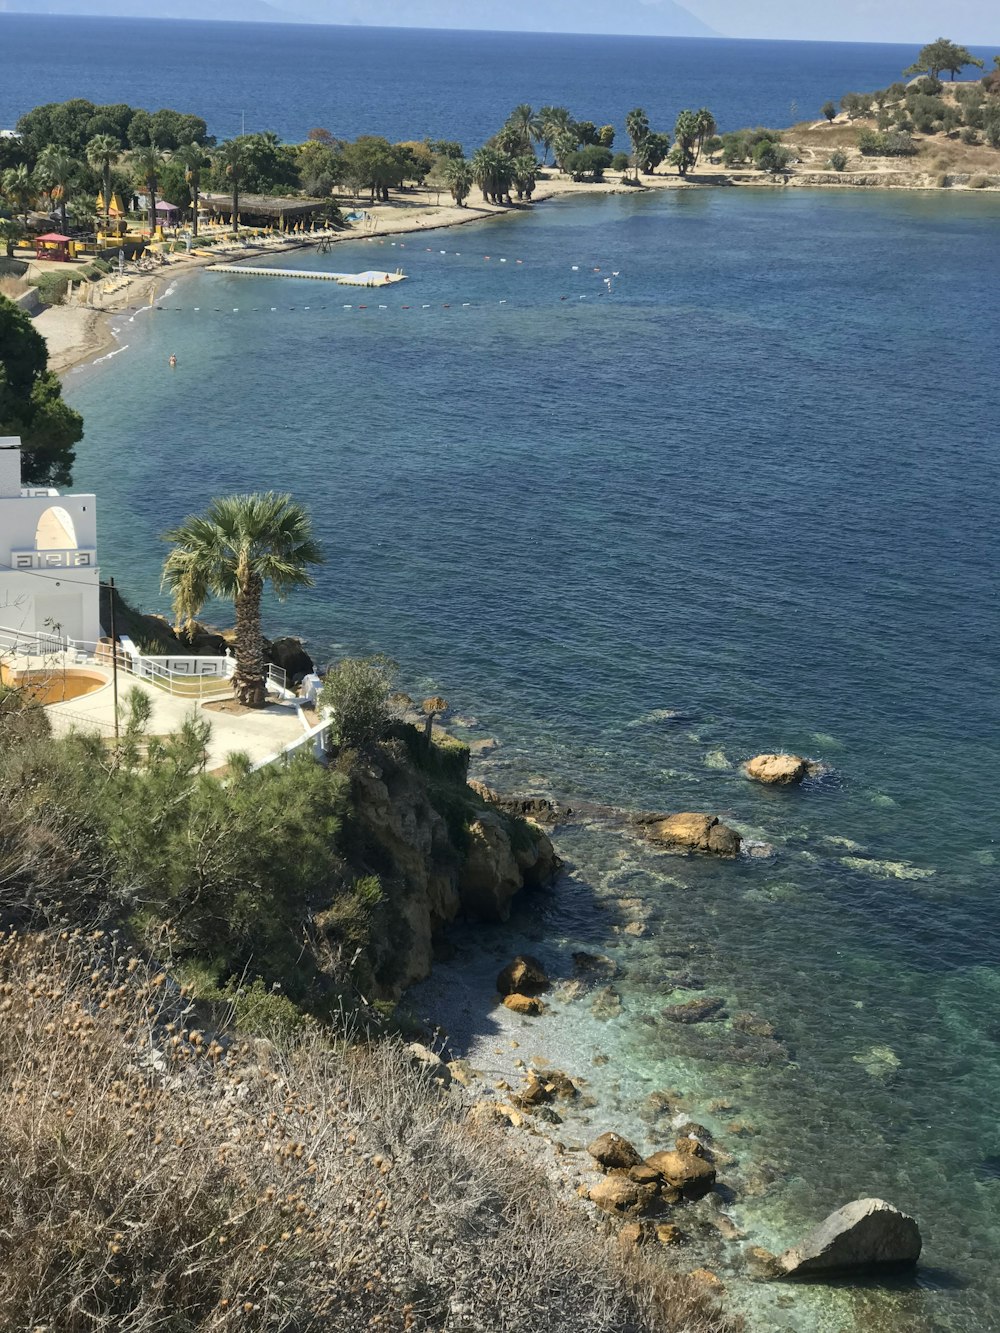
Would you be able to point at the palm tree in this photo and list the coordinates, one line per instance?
(523, 171)
(231, 157)
(192, 158)
(637, 125)
(103, 152)
(492, 172)
(528, 127)
(147, 163)
(241, 543)
(686, 133)
(458, 177)
(706, 128)
(56, 172)
(19, 188)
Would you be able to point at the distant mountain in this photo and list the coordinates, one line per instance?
(640, 18)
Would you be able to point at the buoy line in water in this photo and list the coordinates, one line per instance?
(366, 306)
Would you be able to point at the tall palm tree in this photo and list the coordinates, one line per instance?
(492, 171)
(706, 128)
(103, 152)
(193, 159)
(231, 157)
(57, 172)
(637, 125)
(20, 190)
(528, 127)
(458, 177)
(147, 163)
(241, 543)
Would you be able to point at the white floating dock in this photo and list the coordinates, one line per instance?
(371, 278)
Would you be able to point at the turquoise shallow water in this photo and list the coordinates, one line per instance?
(753, 485)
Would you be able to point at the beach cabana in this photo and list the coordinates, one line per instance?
(163, 207)
(52, 246)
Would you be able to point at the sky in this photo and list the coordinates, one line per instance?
(966, 21)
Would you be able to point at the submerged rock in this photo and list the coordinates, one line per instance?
(777, 770)
(695, 1011)
(864, 1235)
(695, 832)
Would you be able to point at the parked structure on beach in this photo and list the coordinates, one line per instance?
(49, 577)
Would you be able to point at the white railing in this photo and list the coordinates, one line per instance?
(72, 557)
(190, 677)
(316, 739)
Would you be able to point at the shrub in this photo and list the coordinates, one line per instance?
(357, 689)
(970, 135)
(871, 143)
(771, 157)
(856, 104)
(736, 148)
(154, 1177)
(828, 109)
(838, 160)
(620, 162)
(979, 182)
(589, 162)
(991, 128)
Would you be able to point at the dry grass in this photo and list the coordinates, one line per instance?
(155, 1177)
(12, 287)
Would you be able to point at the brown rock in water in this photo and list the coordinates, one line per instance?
(612, 1152)
(696, 832)
(777, 770)
(863, 1235)
(528, 1005)
(624, 1197)
(688, 1146)
(645, 1175)
(693, 1176)
(525, 976)
(695, 1011)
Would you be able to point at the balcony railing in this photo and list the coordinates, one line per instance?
(76, 557)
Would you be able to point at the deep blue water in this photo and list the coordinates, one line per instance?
(406, 83)
(755, 484)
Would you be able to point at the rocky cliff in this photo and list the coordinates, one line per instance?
(439, 849)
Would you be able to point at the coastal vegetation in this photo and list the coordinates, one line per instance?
(31, 402)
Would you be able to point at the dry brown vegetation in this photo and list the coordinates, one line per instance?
(159, 1176)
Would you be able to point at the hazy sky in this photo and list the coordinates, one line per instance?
(966, 21)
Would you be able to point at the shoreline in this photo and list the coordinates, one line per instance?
(78, 333)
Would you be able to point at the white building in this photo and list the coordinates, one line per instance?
(49, 580)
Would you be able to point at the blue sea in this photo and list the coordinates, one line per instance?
(741, 500)
(408, 84)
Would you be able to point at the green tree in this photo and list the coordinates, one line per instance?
(358, 691)
(589, 162)
(606, 136)
(19, 189)
(416, 159)
(240, 544)
(555, 120)
(563, 145)
(637, 127)
(942, 55)
(706, 129)
(492, 172)
(31, 403)
(147, 162)
(686, 133)
(371, 163)
(829, 109)
(57, 173)
(458, 177)
(523, 171)
(527, 125)
(229, 161)
(103, 151)
(193, 158)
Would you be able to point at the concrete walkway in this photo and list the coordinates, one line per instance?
(257, 733)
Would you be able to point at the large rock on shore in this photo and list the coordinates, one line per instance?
(613, 1153)
(696, 832)
(291, 656)
(524, 976)
(864, 1235)
(777, 770)
(694, 1176)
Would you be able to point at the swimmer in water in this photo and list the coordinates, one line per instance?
(173, 359)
